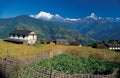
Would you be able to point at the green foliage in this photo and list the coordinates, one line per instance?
(71, 64)
(39, 42)
(68, 64)
(27, 72)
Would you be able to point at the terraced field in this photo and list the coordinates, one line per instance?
(21, 51)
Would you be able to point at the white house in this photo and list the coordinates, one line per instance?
(114, 46)
(22, 36)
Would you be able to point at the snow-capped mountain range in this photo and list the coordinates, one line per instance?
(92, 26)
(50, 17)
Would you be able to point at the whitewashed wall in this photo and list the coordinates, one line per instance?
(30, 38)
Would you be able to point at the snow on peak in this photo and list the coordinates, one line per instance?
(48, 16)
(93, 16)
(72, 19)
(58, 16)
(43, 15)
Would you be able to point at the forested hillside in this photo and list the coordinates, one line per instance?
(44, 29)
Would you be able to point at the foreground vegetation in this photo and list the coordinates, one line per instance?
(19, 51)
(69, 64)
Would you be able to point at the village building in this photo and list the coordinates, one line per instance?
(113, 46)
(61, 42)
(22, 37)
(75, 43)
(49, 41)
(99, 46)
(110, 46)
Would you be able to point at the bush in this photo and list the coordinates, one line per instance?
(73, 64)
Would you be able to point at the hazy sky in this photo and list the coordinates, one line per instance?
(65, 8)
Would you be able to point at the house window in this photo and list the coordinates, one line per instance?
(23, 36)
(33, 36)
(13, 35)
(18, 36)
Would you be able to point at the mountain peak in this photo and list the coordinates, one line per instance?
(43, 15)
(93, 16)
(50, 17)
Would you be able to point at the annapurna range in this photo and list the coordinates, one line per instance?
(93, 26)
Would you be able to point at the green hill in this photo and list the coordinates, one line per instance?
(44, 29)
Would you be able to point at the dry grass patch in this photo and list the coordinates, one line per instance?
(18, 51)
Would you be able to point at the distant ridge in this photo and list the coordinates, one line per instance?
(44, 29)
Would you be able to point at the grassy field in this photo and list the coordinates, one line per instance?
(15, 50)
(18, 51)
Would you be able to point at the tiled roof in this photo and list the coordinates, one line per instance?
(14, 40)
(49, 40)
(113, 45)
(20, 32)
(61, 40)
